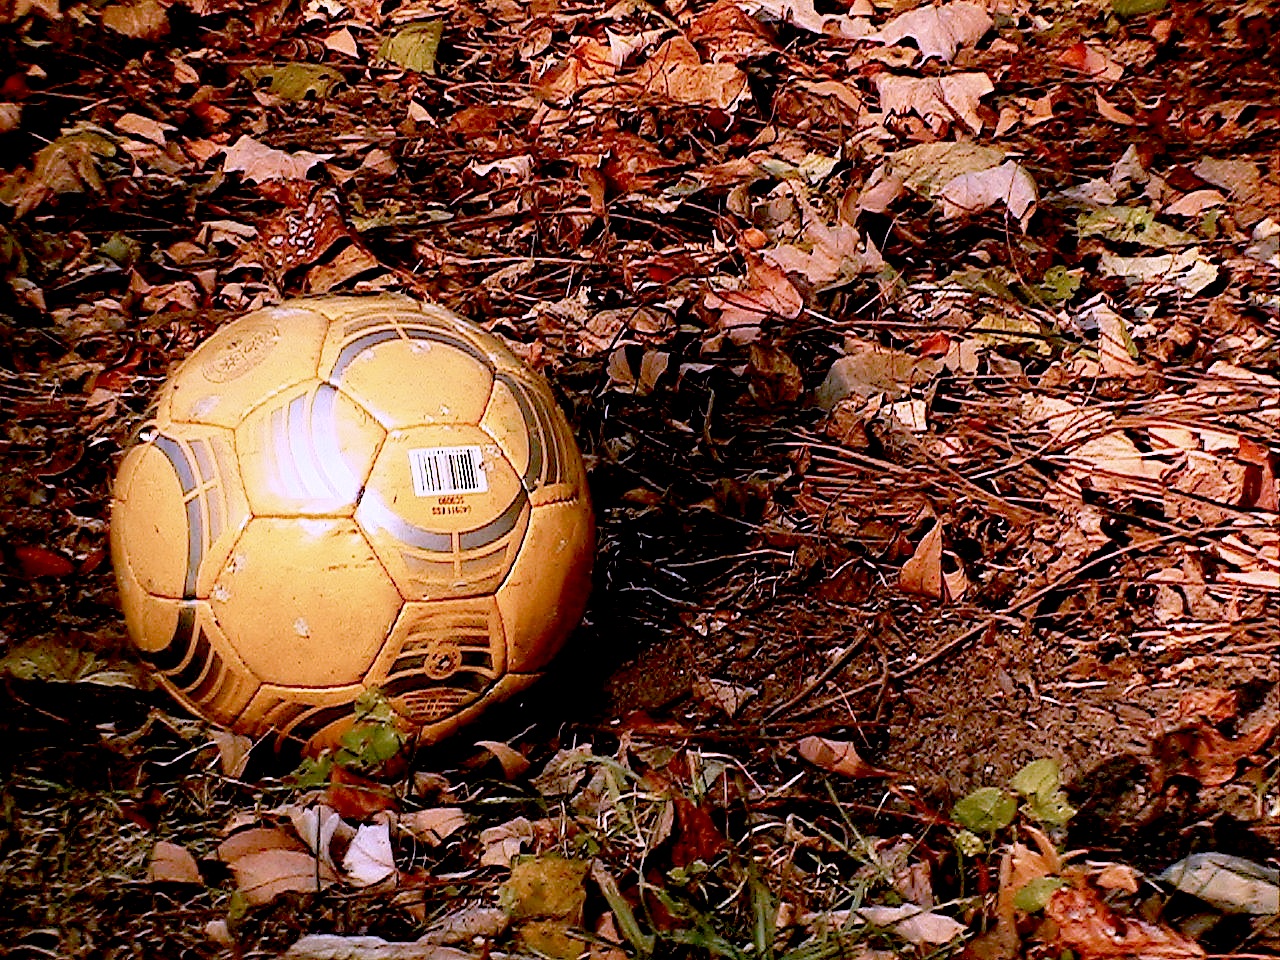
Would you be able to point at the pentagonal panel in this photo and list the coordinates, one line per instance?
(178, 507)
(546, 591)
(305, 601)
(243, 364)
(525, 421)
(444, 510)
(440, 657)
(407, 371)
(307, 451)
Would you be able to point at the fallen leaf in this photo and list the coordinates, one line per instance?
(144, 127)
(838, 756)
(319, 826)
(938, 31)
(294, 81)
(1188, 269)
(172, 863)
(729, 697)
(804, 14)
(936, 100)
(914, 924)
(549, 886)
(589, 63)
(257, 162)
(766, 292)
(922, 572)
(1118, 876)
(1205, 754)
(144, 20)
(513, 761)
(1230, 884)
(233, 752)
(1092, 62)
(433, 826)
(464, 924)
(1093, 931)
(971, 193)
(369, 859)
(330, 946)
(36, 561)
(869, 369)
(504, 842)
(412, 46)
(674, 72)
(267, 862)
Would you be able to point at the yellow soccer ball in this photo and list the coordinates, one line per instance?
(345, 493)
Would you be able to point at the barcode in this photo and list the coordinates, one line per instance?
(443, 470)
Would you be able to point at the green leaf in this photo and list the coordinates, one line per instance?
(969, 844)
(1130, 225)
(1036, 893)
(1051, 808)
(986, 810)
(413, 46)
(1037, 777)
(294, 81)
(1059, 284)
(1137, 8)
(121, 248)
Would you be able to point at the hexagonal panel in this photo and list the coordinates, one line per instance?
(305, 601)
(546, 591)
(177, 508)
(440, 656)
(523, 418)
(407, 374)
(243, 364)
(307, 451)
(444, 510)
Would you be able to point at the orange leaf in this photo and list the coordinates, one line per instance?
(838, 756)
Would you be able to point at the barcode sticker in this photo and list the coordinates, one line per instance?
(443, 470)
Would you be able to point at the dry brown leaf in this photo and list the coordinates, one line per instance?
(725, 32)
(838, 756)
(589, 63)
(145, 20)
(1203, 753)
(257, 162)
(674, 72)
(1093, 931)
(767, 292)
(804, 14)
(233, 752)
(144, 127)
(1008, 183)
(434, 825)
(504, 842)
(173, 863)
(1092, 62)
(936, 100)
(922, 573)
(1118, 876)
(513, 761)
(267, 862)
(937, 31)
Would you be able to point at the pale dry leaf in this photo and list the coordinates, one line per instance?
(674, 72)
(504, 842)
(589, 63)
(318, 826)
(1092, 62)
(263, 875)
(1195, 203)
(463, 925)
(1188, 269)
(513, 761)
(914, 924)
(10, 116)
(433, 826)
(145, 127)
(973, 192)
(936, 100)
(257, 162)
(838, 756)
(869, 369)
(173, 863)
(344, 42)
(938, 31)
(729, 697)
(329, 946)
(1118, 876)
(369, 858)
(804, 14)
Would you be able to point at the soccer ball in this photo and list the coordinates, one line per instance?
(345, 493)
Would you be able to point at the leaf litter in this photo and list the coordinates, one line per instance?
(925, 366)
